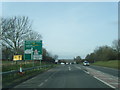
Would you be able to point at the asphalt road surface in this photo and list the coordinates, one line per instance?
(63, 76)
(110, 71)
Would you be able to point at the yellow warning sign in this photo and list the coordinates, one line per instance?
(17, 57)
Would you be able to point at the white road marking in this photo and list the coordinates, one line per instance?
(104, 82)
(86, 72)
(46, 80)
(69, 68)
(40, 84)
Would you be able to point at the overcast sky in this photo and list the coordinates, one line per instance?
(69, 29)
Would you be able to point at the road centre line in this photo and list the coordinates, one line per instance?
(69, 68)
(103, 82)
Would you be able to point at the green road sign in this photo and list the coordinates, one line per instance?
(33, 50)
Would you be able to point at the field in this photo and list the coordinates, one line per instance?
(112, 64)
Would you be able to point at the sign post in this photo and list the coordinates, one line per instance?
(33, 50)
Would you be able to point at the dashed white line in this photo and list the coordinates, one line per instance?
(40, 84)
(46, 80)
(69, 68)
(86, 72)
(104, 82)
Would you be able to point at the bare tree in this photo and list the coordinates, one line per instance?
(55, 57)
(15, 31)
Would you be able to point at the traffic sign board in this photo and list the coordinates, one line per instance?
(17, 57)
(33, 50)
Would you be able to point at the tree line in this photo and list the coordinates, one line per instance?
(14, 31)
(103, 53)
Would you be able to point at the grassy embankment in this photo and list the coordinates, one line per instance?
(10, 80)
(111, 64)
(12, 65)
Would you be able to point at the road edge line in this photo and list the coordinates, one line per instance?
(104, 82)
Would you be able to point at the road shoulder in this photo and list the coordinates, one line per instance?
(107, 79)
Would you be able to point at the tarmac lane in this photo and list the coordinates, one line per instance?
(63, 76)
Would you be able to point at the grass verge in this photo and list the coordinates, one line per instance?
(12, 65)
(111, 64)
(11, 80)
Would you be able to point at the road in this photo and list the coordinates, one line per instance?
(63, 76)
(110, 71)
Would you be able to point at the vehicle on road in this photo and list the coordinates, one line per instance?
(62, 63)
(86, 63)
(67, 63)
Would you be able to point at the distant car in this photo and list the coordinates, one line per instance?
(62, 63)
(67, 63)
(86, 63)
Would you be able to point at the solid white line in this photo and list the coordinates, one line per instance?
(104, 82)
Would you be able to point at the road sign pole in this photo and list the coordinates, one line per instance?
(32, 57)
(33, 63)
(40, 64)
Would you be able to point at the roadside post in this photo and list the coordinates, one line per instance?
(33, 50)
(18, 58)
